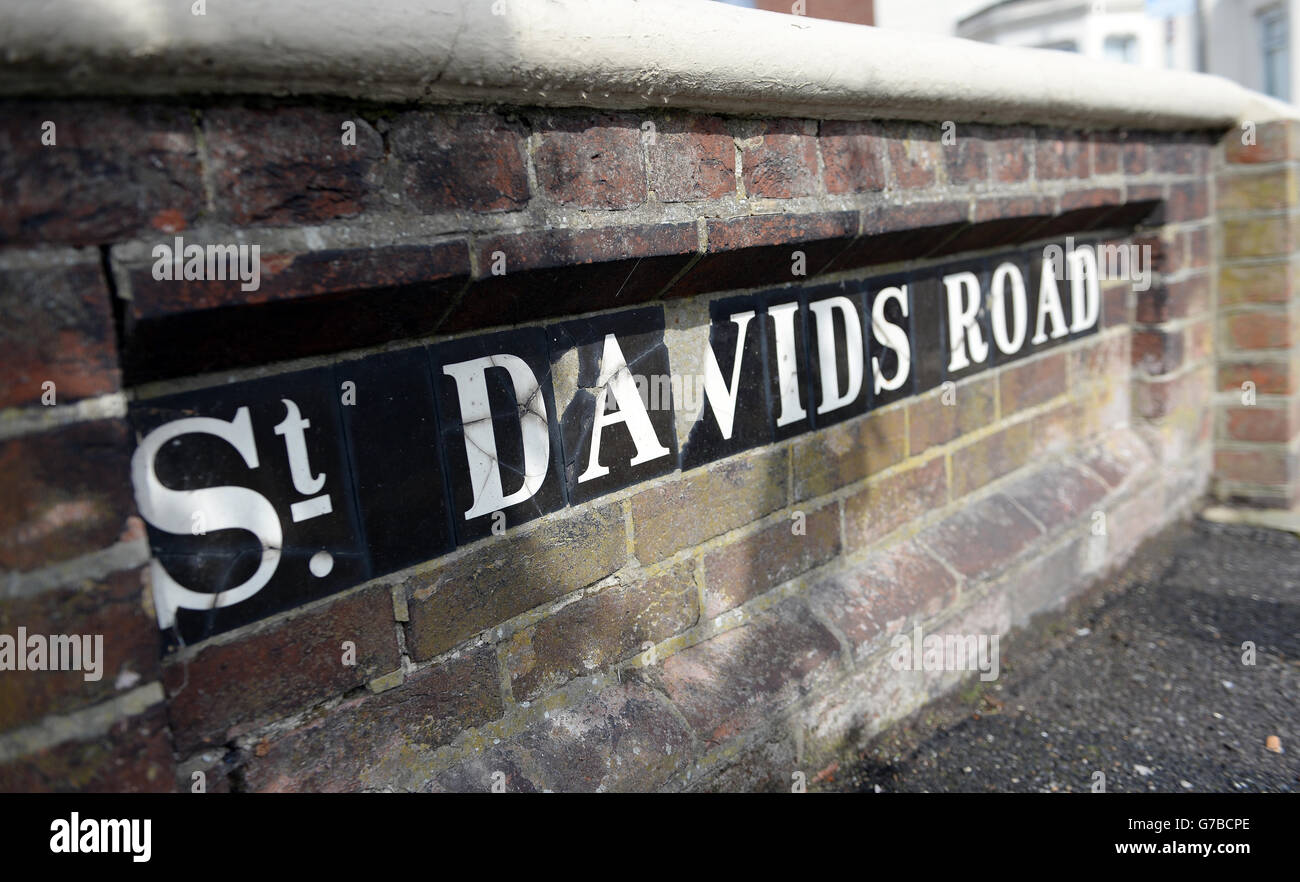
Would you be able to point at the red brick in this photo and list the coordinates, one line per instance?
(1148, 193)
(1061, 156)
(692, 158)
(593, 161)
(1196, 245)
(111, 607)
(58, 328)
(1107, 150)
(1057, 494)
(288, 164)
(1274, 142)
(366, 742)
(1009, 207)
(847, 452)
(748, 567)
(1157, 351)
(1270, 378)
(225, 688)
(451, 601)
(915, 156)
(1187, 202)
(932, 422)
(133, 756)
(67, 492)
(967, 159)
(1198, 337)
(1011, 155)
(1263, 465)
(460, 160)
(1115, 305)
(780, 229)
(903, 218)
(114, 171)
(853, 156)
(1091, 198)
(1136, 157)
(707, 502)
(1181, 156)
(597, 631)
(743, 677)
(982, 537)
(881, 594)
(1173, 300)
(1163, 254)
(1260, 423)
(1259, 330)
(1025, 385)
(890, 501)
(783, 162)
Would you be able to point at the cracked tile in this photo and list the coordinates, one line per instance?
(500, 435)
(615, 365)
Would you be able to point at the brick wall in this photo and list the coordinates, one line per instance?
(1257, 421)
(672, 634)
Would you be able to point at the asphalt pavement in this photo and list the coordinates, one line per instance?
(1143, 679)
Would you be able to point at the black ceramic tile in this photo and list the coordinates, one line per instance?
(262, 467)
(750, 424)
(632, 388)
(972, 347)
(1088, 290)
(388, 414)
(1011, 313)
(929, 330)
(505, 380)
(789, 378)
(891, 343)
(837, 331)
(1045, 295)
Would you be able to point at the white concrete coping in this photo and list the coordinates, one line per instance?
(615, 54)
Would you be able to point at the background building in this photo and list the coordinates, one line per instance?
(1249, 41)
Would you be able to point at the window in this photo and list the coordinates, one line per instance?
(1275, 52)
(1121, 47)
(1063, 45)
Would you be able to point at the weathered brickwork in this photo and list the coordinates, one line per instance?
(1257, 414)
(715, 627)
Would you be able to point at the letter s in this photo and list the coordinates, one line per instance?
(224, 508)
